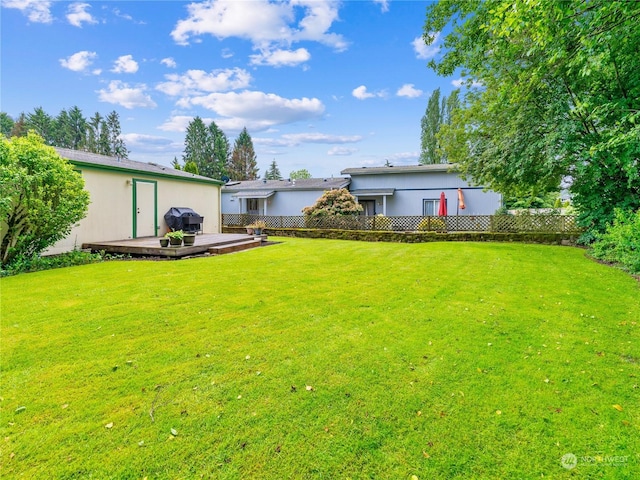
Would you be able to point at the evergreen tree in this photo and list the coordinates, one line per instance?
(6, 124)
(78, 128)
(62, 133)
(42, 124)
(273, 173)
(196, 145)
(104, 140)
(220, 157)
(94, 133)
(176, 164)
(117, 146)
(243, 164)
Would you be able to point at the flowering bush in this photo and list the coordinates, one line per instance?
(334, 202)
(258, 224)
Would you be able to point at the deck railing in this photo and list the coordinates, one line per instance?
(455, 223)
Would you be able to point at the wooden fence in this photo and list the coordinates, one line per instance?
(455, 223)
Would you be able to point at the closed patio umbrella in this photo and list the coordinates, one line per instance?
(461, 204)
(442, 211)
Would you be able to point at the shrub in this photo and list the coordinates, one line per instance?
(334, 202)
(380, 222)
(431, 224)
(620, 243)
(37, 263)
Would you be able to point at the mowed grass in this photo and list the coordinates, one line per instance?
(324, 359)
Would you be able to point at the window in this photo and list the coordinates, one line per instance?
(430, 207)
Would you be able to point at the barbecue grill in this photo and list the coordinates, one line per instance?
(185, 219)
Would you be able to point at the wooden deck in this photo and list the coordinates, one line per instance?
(212, 243)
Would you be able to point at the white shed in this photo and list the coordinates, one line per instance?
(128, 199)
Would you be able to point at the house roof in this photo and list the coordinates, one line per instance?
(373, 192)
(299, 184)
(86, 159)
(254, 194)
(439, 167)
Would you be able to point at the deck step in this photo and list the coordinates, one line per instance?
(235, 246)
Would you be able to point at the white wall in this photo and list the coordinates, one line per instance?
(110, 214)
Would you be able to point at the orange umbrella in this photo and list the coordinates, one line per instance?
(461, 204)
(442, 211)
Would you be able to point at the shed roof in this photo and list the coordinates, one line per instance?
(438, 167)
(80, 158)
(286, 185)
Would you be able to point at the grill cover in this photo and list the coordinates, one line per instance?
(183, 218)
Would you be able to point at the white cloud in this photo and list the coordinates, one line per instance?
(460, 82)
(169, 62)
(341, 151)
(361, 93)
(125, 64)
(298, 138)
(278, 58)
(121, 93)
(37, 11)
(256, 110)
(138, 139)
(177, 123)
(384, 4)
(404, 158)
(197, 82)
(425, 51)
(408, 90)
(262, 22)
(295, 139)
(79, 61)
(77, 14)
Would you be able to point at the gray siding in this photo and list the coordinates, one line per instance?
(281, 203)
(410, 189)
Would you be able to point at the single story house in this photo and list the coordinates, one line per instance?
(416, 190)
(129, 199)
(413, 190)
(276, 197)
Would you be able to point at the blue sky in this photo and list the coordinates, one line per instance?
(321, 85)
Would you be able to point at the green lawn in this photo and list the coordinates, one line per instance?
(324, 359)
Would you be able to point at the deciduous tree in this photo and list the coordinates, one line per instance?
(302, 173)
(41, 197)
(559, 97)
(438, 113)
